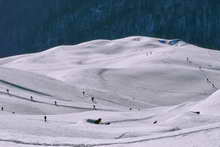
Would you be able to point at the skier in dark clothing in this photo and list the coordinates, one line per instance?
(31, 98)
(83, 93)
(92, 98)
(155, 122)
(213, 85)
(7, 91)
(55, 103)
(207, 80)
(45, 118)
(94, 108)
(2, 108)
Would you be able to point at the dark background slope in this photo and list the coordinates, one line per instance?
(35, 25)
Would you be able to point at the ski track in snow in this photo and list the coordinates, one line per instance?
(47, 103)
(168, 135)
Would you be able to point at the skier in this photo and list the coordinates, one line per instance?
(2, 108)
(45, 118)
(31, 98)
(7, 91)
(92, 98)
(207, 80)
(83, 93)
(155, 122)
(94, 108)
(213, 85)
(55, 103)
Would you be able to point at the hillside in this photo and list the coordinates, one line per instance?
(135, 68)
(147, 92)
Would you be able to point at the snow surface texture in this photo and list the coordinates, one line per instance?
(147, 91)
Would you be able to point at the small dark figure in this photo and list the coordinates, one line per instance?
(83, 93)
(92, 98)
(45, 118)
(13, 112)
(130, 108)
(94, 108)
(55, 103)
(213, 85)
(155, 122)
(196, 112)
(2, 108)
(7, 91)
(207, 80)
(31, 98)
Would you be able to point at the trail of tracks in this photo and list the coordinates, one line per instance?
(41, 102)
(132, 120)
(42, 144)
(23, 88)
(152, 138)
(167, 135)
(48, 103)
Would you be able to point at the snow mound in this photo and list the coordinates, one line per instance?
(210, 106)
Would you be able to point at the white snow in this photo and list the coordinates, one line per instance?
(210, 106)
(135, 81)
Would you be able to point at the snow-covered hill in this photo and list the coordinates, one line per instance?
(150, 90)
(148, 70)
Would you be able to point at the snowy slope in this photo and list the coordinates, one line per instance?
(209, 106)
(140, 68)
(148, 89)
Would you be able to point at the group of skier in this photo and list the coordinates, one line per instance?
(92, 100)
(200, 68)
(31, 99)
